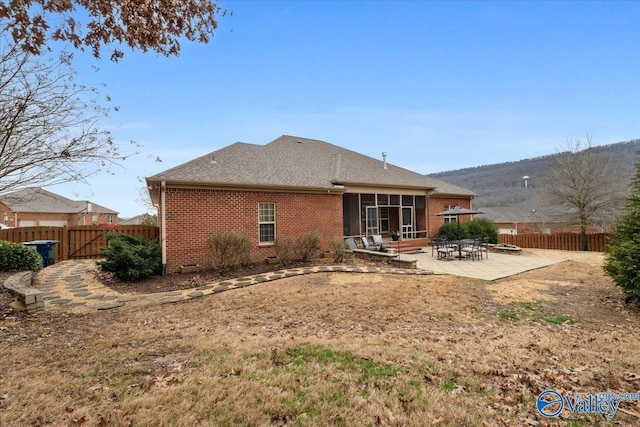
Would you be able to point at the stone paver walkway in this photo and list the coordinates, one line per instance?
(70, 286)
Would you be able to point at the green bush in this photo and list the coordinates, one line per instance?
(453, 231)
(284, 248)
(482, 227)
(131, 258)
(307, 246)
(622, 261)
(228, 250)
(16, 256)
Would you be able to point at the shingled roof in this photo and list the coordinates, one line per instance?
(294, 162)
(38, 200)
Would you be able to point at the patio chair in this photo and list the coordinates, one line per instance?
(484, 247)
(442, 247)
(378, 243)
(472, 251)
(350, 243)
(367, 245)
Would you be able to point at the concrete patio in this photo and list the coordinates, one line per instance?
(495, 267)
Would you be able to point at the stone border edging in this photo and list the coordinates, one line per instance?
(70, 288)
(19, 285)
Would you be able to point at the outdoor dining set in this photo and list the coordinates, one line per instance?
(474, 249)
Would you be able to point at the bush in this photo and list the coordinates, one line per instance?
(307, 246)
(131, 258)
(482, 227)
(16, 256)
(228, 250)
(338, 249)
(284, 249)
(453, 231)
(623, 254)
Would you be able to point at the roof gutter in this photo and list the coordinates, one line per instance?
(251, 187)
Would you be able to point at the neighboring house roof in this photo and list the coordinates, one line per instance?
(38, 200)
(136, 220)
(294, 162)
(531, 210)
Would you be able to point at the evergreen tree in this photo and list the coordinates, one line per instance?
(623, 256)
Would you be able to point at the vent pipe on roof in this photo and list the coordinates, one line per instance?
(384, 159)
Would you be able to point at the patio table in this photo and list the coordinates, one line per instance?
(460, 244)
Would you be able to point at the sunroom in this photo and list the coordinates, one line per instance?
(386, 212)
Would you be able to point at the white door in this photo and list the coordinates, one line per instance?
(407, 223)
(27, 223)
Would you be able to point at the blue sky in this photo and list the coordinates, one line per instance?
(437, 85)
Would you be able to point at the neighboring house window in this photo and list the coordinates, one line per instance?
(110, 219)
(6, 219)
(450, 218)
(267, 222)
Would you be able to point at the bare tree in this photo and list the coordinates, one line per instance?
(584, 184)
(156, 25)
(49, 130)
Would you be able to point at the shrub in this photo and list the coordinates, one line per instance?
(131, 258)
(623, 254)
(284, 247)
(16, 256)
(482, 227)
(453, 231)
(227, 250)
(338, 249)
(307, 246)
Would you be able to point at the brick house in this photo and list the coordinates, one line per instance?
(287, 187)
(37, 207)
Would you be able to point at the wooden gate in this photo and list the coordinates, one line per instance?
(85, 241)
(77, 242)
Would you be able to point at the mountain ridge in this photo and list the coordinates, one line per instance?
(502, 184)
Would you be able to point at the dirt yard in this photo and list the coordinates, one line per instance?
(334, 349)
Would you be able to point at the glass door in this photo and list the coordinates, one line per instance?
(372, 220)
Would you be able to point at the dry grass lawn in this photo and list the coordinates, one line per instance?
(333, 349)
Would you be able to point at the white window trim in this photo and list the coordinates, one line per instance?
(267, 222)
(450, 218)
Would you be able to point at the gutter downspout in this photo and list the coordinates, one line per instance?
(163, 229)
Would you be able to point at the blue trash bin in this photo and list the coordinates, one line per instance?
(46, 249)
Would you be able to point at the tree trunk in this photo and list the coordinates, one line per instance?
(583, 237)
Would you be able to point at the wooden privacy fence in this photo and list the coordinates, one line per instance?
(562, 241)
(77, 242)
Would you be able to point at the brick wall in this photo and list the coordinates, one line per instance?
(192, 214)
(437, 204)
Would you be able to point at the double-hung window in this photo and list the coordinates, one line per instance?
(266, 223)
(450, 218)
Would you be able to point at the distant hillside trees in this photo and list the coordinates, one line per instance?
(623, 256)
(501, 184)
(583, 182)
